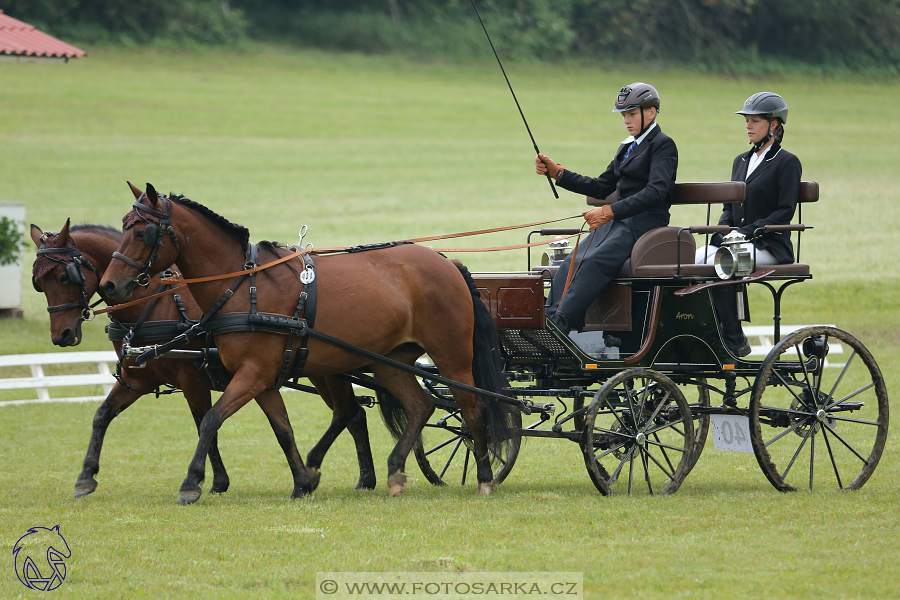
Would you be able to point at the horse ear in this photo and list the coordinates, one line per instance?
(36, 235)
(152, 195)
(134, 190)
(62, 240)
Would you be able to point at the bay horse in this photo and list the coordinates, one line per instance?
(69, 282)
(398, 302)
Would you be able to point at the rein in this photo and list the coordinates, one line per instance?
(467, 234)
(182, 283)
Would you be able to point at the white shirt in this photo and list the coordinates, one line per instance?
(755, 159)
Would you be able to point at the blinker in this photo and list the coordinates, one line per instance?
(74, 273)
(152, 235)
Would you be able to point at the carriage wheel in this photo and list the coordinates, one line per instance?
(701, 427)
(445, 451)
(808, 421)
(701, 424)
(639, 429)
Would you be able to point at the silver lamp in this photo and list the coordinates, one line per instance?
(556, 253)
(732, 259)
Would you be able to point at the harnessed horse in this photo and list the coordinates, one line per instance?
(398, 303)
(68, 271)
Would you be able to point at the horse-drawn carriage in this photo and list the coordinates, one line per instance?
(634, 389)
(636, 384)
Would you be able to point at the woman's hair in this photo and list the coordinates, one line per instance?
(778, 134)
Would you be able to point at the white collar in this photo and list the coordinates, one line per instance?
(630, 138)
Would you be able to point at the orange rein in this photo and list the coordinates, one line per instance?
(467, 234)
(183, 282)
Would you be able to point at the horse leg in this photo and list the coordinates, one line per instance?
(347, 413)
(199, 401)
(119, 399)
(272, 404)
(419, 408)
(242, 388)
(474, 413)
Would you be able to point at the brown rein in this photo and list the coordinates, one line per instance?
(467, 234)
(182, 283)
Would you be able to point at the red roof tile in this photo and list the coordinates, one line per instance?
(21, 39)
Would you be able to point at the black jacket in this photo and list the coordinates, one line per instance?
(644, 184)
(772, 192)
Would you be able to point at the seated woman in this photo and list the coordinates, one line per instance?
(772, 175)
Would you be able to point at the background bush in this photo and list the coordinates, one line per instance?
(715, 34)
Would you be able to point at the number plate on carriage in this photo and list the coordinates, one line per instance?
(731, 433)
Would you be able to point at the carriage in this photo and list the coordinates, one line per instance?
(639, 387)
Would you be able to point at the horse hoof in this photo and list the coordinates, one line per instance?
(365, 485)
(396, 484)
(314, 477)
(485, 488)
(219, 488)
(188, 496)
(85, 487)
(299, 493)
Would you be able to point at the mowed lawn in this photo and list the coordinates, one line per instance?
(366, 149)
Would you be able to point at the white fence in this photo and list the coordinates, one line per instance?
(41, 383)
(761, 338)
(764, 337)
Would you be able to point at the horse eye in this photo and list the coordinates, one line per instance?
(139, 235)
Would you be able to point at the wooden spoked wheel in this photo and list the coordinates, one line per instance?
(816, 415)
(638, 435)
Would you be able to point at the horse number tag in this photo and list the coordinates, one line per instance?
(308, 275)
(731, 433)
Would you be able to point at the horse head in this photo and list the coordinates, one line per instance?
(142, 251)
(67, 279)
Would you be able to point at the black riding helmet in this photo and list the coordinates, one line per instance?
(767, 105)
(637, 95)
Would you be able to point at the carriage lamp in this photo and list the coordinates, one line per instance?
(556, 253)
(732, 259)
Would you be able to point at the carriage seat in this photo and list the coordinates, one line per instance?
(655, 254)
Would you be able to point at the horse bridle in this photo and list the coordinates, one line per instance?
(75, 272)
(153, 237)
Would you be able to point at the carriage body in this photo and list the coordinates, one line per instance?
(642, 381)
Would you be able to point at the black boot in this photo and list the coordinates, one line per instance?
(725, 302)
(560, 321)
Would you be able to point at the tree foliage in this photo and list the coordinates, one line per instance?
(714, 33)
(130, 22)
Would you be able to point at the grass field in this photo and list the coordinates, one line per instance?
(365, 149)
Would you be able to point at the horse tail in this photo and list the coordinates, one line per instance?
(487, 369)
(392, 412)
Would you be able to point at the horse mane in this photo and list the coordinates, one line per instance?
(108, 231)
(241, 233)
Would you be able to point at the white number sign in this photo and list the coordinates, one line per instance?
(731, 433)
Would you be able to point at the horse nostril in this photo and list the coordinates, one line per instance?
(66, 337)
(109, 287)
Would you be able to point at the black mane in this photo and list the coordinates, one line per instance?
(239, 231)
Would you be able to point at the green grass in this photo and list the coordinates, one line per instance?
(365, 149)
